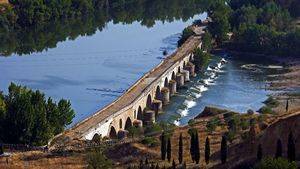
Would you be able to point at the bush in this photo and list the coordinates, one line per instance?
(266, 110)
(150, 141)
(230, 135)
(186, 33)
(97, 160)
(271, 102)
(201, 59)
(275, 163)
(212, 124)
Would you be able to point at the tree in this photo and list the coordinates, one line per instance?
(192, 132)
(163, 146)
(1, 149)
(287, 105)
(207, 41)
(169, 151)
(278, 149)
(197, 150)
(97, 160)
(207, 150)
(259, 153)
(224, 149)
(180, 149)
(291, 152)
(186, 33)
(201, 59)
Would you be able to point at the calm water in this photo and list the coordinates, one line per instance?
(92, 71)
(93, 61)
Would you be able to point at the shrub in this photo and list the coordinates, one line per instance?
(150, 141)
(271, 102)
(186, 33)
(266, 110)
(97, 160)
(275, 163)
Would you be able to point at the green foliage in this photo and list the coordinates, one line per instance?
(41, 24)
(180, 149)
(245, 15)
(207, 41)
(29, 118)
(266, 110)
(212, 124)
(163, 146)
(169, 149)
(150, 141)
(224, 149)
(207, 150)
(275, 163)
(271, 102)
(219, 13)
(186, 33)
(230, 135)
(154, 128)
(194, 145)
(97, 160)
(134, 131)
(201, 59)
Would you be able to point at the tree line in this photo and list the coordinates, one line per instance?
(262, 27)
(194, 144)
(41, 24)
(28, 117)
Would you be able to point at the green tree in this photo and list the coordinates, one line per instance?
(186, 33)
(97, 160)
(259, 153)
(173, 164)
(163, 147)
(207, 150)
(207, 41)
(180, 149)
(224, 149)
(201, 59)
(197, 149)
(169, 150)
(291, 151)
(278, 149)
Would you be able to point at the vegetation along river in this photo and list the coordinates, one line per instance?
(93, 61)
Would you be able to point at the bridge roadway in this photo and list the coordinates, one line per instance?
(80, 130)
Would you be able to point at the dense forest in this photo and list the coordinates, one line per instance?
(36, 25)
(27, 117)
(261, 27)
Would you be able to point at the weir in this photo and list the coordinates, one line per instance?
(143, 101)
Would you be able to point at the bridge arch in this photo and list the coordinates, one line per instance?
(166, 83)
(139, 113)
(173, 75)
(149, 102)
(158, 93)
(128, 123)
(112, 133)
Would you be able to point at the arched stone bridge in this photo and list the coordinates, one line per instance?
(143, 101)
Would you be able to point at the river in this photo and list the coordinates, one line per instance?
(94, 67)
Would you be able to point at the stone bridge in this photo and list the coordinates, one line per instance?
(143, 101)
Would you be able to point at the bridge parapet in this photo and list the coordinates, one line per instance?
(120, 114)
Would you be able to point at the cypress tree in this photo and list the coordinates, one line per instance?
(173, 164)
(184, 165)
(163, 146)
(259, 153)
(278, 149)
(146, 161)
(287, 105)
(207, 150)
(169, 150)
(224, 149)
(197, 150)
(291, 152)
(180, 149)
(192, 147)
(1, 149)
